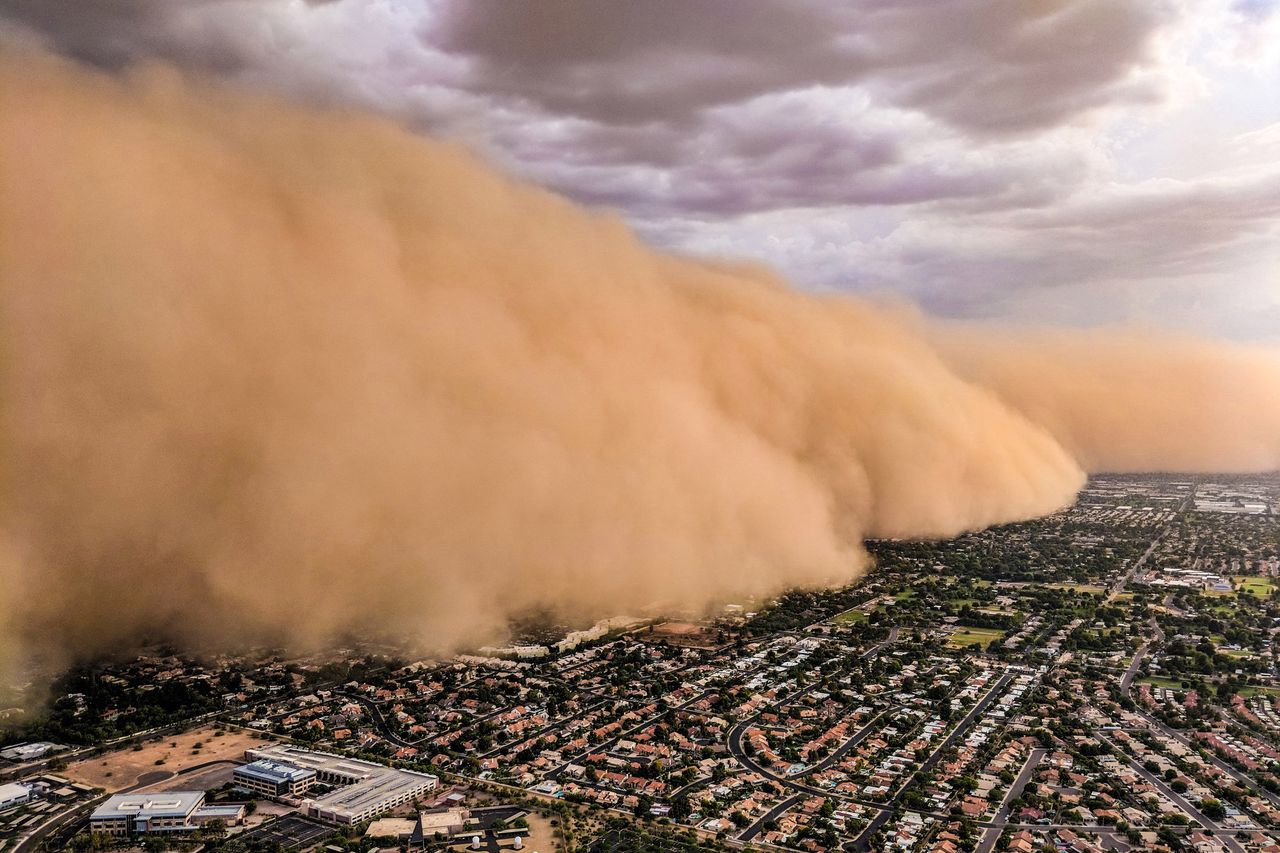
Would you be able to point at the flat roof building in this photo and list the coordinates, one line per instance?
(13, 794)
(161, 812)
(274, 779)
(142, 814)
(443, 823)
(367, 789)
(29, 751)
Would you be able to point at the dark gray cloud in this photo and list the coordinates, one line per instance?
(967, 152)
(996, 66)
(113, 33)
(714, 108)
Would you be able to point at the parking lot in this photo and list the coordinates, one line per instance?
(293, 832)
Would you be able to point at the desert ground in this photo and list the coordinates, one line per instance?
(158, 761)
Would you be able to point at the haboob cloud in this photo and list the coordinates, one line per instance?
(273, 374)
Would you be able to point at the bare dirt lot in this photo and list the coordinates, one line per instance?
(680, 634)
(126, 767)
(541, 835)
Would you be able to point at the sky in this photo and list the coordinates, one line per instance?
(1076, 162)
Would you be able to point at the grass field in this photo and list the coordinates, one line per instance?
(965, 636)
(1254, 691)
(1161, 681)
(1255, 585)
(850, 617)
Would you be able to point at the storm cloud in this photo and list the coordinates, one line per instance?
(917, 147)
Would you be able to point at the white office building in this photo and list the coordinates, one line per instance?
(366, 789)
(161, 813)
(274, 779)
(13, 795)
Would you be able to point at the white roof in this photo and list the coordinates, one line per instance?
(12, 790)
(160, 804)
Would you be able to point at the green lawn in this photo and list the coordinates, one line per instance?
(850, 617)
(965, 636)
(1246, 692)
(1255, 585)
(1161, 681)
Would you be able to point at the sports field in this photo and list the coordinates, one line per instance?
(1254, 585)
(965, 636)
(850, 617)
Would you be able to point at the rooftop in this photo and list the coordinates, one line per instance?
(161, 804)
(275, 771)
(367, 784)
(443, 819)
(13, 789)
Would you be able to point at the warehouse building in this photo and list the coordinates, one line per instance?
(366, 789)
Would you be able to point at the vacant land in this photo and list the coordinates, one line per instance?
(157, 760)
(683, 634)
(965, 636)
(541, 834)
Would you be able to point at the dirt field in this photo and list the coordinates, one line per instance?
(676, 628)
(680, 634)
(541, 835)
(125, 768)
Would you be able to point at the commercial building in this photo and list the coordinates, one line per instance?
(29, 751)
(443, 823)
(274, 779)
(366, 789)
(164, 812)
(13, 794)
